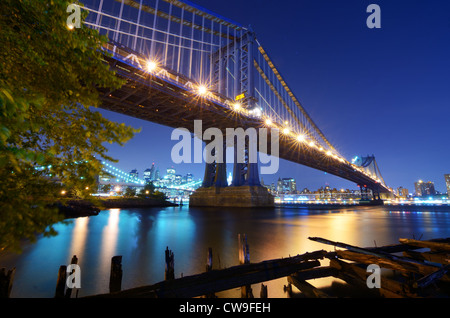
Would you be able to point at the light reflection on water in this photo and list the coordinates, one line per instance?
(141, 236)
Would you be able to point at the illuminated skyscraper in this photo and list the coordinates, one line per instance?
(170, 174)
(424, 188)
(134, 173)
(150, 174)
(447, 183)
(402, 192)
(286, 185)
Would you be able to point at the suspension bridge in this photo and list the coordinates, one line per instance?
(183, 63)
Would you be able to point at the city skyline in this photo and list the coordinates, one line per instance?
(371, 96)
(421, 188)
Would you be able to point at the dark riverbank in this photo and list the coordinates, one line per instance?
(80, 208)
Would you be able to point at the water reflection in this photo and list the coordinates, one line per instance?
(79, 235)
(141, 236)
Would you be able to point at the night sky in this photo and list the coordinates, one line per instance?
(371, 91)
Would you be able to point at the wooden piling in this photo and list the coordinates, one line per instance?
(68, 293)
(170, 268)
(209, 267)
(263, 292)
(244, 258)
(6, 281)
(209, 260)
(244, 252)
(225, 279)
(61, 282)
(115, 278)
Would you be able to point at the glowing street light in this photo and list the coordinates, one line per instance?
(286, 131)
(237, 106)
(301, 138)
(257, 112)
(268, 122)
(151, 66)
(202, 90)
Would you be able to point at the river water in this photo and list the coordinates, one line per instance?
(142, 235)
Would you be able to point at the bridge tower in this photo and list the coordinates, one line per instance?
(370, 166)
(246, 189)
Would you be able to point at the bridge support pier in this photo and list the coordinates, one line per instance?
(244, 191)
(365, 196)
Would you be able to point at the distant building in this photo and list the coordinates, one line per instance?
(170, 174)
(147, 175)
(305, 191)
(150, 174)
(134, 173)
(424, 188)
(447, 183)
(286, 185)
(402, 192)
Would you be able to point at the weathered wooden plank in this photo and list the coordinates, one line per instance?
(397, 264)
(354, 274)
(396, 248)
(369, 252)
(434, 257)
(432, 278)
(306, 288)
(318, 272)
(224, 279)
(433, 245)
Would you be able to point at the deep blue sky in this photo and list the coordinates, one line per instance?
(371, 91)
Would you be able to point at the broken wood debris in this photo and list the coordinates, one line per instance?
(416, 273)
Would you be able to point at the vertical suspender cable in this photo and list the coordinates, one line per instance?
(192, 46)
(181, 36)
(97, 21)
(201, 50)
(137, 26)
(116, 35)
(152, 45)
(210, 54)
(168, 39)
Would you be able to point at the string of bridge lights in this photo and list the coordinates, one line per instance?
(153, 68)
(119, 174)
(202, 90)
